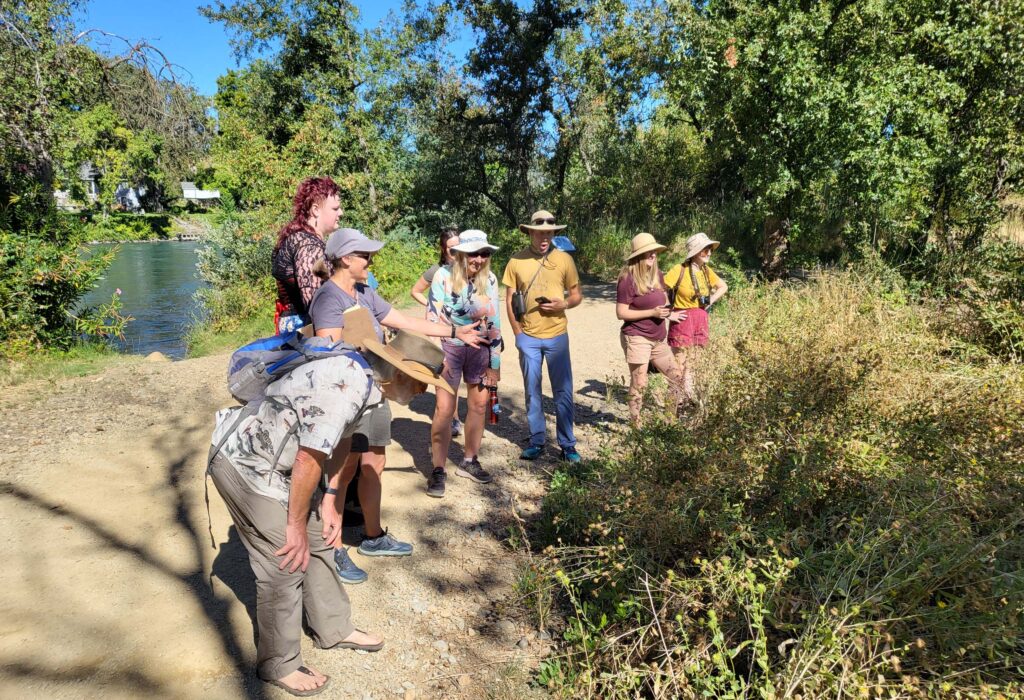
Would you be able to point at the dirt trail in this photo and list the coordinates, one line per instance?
(106, 589)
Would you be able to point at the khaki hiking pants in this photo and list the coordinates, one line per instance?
(281, 597)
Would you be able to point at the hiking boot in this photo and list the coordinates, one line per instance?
(456, 427)
(532, 452)
(435, 484)
(384, 545)
(570, 455)
(347, 570)
(471, 469)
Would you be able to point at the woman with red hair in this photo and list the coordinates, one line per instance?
(300, 246)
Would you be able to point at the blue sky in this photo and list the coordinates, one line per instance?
(188, 39)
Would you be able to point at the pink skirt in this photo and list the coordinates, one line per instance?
(692, 331)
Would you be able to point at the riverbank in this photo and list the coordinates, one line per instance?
(111, 465)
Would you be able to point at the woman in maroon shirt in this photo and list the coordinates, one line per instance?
(641, 302)
(300, 246)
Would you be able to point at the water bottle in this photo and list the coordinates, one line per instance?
(494, 408)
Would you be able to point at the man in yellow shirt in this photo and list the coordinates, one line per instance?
(546, 283)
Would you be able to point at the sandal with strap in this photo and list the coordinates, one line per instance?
(302, 693)
(358, 647)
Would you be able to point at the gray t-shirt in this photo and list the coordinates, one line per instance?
(431, 271)
(327, 309)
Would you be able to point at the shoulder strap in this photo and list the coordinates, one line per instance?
(679, 282)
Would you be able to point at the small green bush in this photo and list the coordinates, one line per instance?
(844, 519)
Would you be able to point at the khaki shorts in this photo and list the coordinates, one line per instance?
(640, 350)
(373, 429)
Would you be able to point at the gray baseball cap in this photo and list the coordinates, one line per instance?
(346, 241)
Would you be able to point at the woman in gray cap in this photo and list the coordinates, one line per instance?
(350, 254)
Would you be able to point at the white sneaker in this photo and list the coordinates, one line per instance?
(456, 427)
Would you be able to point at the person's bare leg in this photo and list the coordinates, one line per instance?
(370, 489)
(685, 360)
(348, 471)
(637, 385)
(477, 396)
(440, 428)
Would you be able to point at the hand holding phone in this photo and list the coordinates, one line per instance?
(543, 300)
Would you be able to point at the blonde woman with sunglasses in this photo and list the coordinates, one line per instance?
(462, 294)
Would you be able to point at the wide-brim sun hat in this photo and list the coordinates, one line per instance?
(346, 241)
(408, 352)
(542, 220)
(698, 242)
(472, 241)
(643, 243)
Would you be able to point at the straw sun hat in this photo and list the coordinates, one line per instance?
(542, 220)
(698, 242)
(409, 353)
(643, 243)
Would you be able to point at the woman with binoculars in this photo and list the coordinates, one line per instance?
(695, 288)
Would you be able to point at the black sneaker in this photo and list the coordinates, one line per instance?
(435, 484)
(471, 469)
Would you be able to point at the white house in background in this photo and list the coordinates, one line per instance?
(191, 193)
(89, 174)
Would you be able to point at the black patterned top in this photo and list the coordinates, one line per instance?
(292, 267)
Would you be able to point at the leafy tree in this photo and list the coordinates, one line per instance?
(887, 122)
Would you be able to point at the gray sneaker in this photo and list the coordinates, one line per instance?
(346, 568)
(384, 546)
(471, 469)
(435, 484)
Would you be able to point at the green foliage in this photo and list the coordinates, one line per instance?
(104, 321)
(43, 280)
(97, 136)
(841, 520)
(122, 228)
(400, 263)
(59, 102)
(983, 296)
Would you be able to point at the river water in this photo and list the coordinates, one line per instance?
(157, 282)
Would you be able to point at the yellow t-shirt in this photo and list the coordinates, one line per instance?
(558, 276)
(685, 296)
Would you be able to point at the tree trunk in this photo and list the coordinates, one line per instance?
(775, 247)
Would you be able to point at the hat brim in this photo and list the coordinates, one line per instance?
(714, 246)
(371, 246)
(547, 228)
(403, 364)
(656, 247)
(473, 247)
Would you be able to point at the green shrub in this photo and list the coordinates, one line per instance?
(122, 227)
(844, 518)
(44, 278)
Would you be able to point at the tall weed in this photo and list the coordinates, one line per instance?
(844, 519)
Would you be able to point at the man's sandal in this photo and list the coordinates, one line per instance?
(358, 647)
(302, 693)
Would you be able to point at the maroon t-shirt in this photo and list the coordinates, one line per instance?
(653, 328)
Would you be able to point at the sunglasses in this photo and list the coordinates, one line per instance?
(538, 222)
(479, 254)
(368, 257)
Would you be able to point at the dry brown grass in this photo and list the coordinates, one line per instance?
(1012, 226)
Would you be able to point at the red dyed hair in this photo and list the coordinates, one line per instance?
(312, 190)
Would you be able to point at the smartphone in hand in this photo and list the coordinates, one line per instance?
(543, 300)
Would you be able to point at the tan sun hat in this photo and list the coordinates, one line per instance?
(698, 242)
(542, 220)
(409, 353)
(643, 243)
